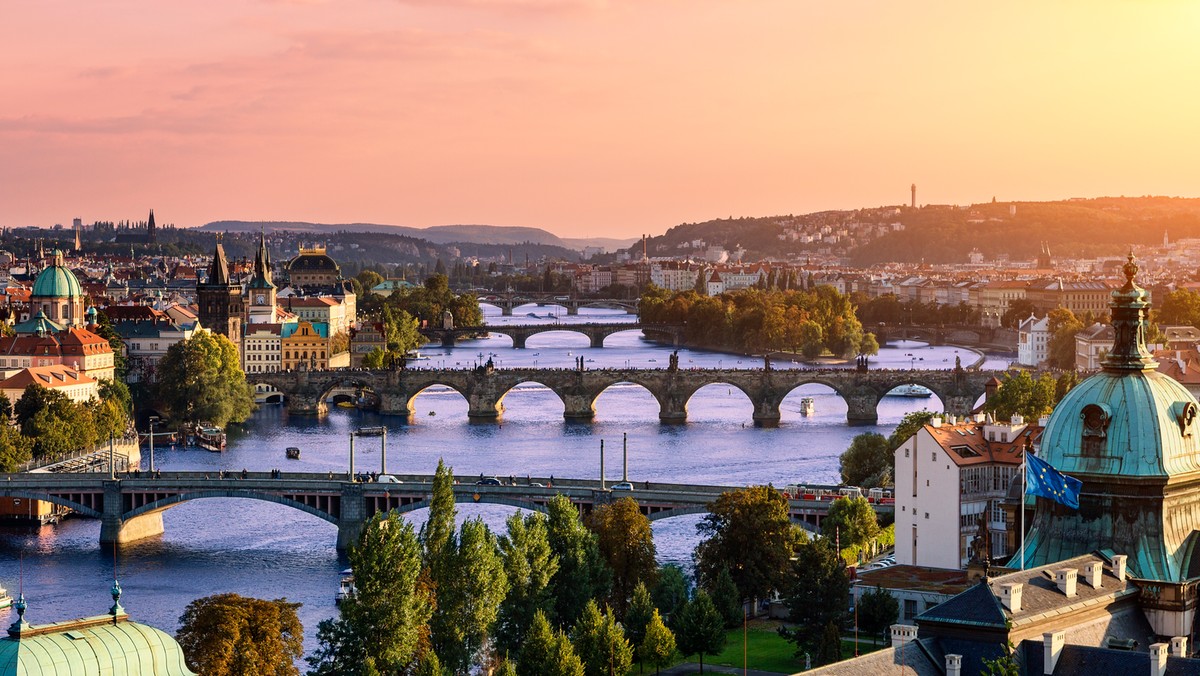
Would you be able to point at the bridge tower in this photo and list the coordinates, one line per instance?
(220, 300)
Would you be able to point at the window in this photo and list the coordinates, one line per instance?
(910, 608)
(934, 456)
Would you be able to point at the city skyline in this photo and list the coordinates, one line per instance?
(585, 117)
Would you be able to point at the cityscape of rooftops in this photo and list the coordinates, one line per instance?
(586, 337)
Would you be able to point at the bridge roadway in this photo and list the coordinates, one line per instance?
(596, 332)
(507, 301)
(307, 392)
(131, 508)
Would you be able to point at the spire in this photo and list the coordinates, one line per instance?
(20, 625)
(1130, 310)
(116, 611)
(262, 263)
(150, 223)
(218, 272)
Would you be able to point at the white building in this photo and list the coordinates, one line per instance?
(673, 277)
(262, 348)
(1092, 345)
(74, 384)
(947, 475)
(1033, 341)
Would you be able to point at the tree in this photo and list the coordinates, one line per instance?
(637, 618)
(701, 629)
(868, 462)
(1004, 664)
(747, 532)
(658, 646)
(15, 449)
(909, 424)
(470, 587)
(1021, 394)
(369, 279)
(529, 566)
(583, 574)
(430, 665)
(829, 650)
(547, 651)
(385, 618)
(725, 597)
(439, 527)
(627, 544)
(232, 635)
(877, 610)
(1063, 327)
(850, 520)
(600, 642)
(817, 589)
(670, 593)
(1180, 307)
(199, 379)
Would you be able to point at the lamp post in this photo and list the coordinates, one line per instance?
(383, 454)
(153, 422)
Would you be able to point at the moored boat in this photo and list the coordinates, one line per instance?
(345, 586)
(371, 431)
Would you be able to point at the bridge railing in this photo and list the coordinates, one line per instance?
(99, 450)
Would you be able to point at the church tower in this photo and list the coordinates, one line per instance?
(151, 229)
(220, 300)
(261, 289)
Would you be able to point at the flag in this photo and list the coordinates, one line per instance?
(1042, 479)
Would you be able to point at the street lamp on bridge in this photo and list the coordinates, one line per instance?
(153, 422)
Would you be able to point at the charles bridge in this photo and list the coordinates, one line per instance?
(130, 508)
(596, 332)
(484, 388)
(507, 301)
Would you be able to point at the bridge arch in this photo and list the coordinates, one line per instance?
(170, 501)
(713, 386)
(484, 499)
(536, 335)
(646, 387)
(542, 382)
(54, 499)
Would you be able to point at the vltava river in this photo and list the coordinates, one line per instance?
(269, 551)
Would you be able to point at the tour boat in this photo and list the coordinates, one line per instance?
(806, 406)
(293, 453)
(911, 391)
(371, 431)
(208, 438)
(5, 599)
(345, 586)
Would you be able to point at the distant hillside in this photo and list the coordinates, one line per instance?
(438, 234)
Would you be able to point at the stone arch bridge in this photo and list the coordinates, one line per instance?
(131, 509)
(506, 302)
(307, 392)
(596, 333)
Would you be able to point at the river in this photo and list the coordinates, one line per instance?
(260, 549)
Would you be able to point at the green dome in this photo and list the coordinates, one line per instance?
(1133, 423)
(57, 281)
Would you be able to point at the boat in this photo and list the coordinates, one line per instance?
(5, 599)
(207, 437)
(346, 404)
(371, 431)
(345, 586)
(911, 391)
(806, 406)
(293, 453)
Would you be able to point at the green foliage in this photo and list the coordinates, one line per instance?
(600, 642)
(1004, 664)
(1021, 394)
(1179, 308)
(829, 650)
(813, 321)
(369, 279)
(817, 590)
(52, 424)
(439, 527)
(884, 539)
(583, 574)
(877, 610)
(231, 635)
(868, 462)
(627, 544)
(548, 652)
(726, 598)
(850, 520)
(427, 303)
(1063, 327)
(888, 309)
(382, 623)
(529, 566)
(200, 379)
(747, 532)
(670, 593)
(658, 645)
(104, 329)
(909, 424)
(700, 630)
(15, 449)
(470, 586)
(637, 618)
(430, 665)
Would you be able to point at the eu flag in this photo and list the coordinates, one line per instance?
(1042, 479)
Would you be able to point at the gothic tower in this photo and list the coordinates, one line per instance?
(151, 229)
(220, 300)
(261, 288)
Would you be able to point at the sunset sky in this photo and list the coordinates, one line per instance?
(585, 117)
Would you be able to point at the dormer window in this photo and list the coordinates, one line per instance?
(1096, 420)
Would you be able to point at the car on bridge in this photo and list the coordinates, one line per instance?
(622, 486)
(489, 481)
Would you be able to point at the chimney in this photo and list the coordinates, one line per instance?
(1118, 566)
(903, 633)
(953, 665)
(1158, 659)
(1043, 421)
(1179, 646)
(1052, 643)
(1066, 579)
(1010, 597)
(936, 421)
(1093, 574)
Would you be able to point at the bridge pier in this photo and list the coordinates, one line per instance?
(304, 405)
(597, 339)
(396, 403)
(449, 339)
(116, 530)
(578, 407)
(766, 414)
(862, 408)
(484, 407)
(519, 339)
(506, 309)
(959, 404)
(353, 516)
(672, 412)
(573, 310)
